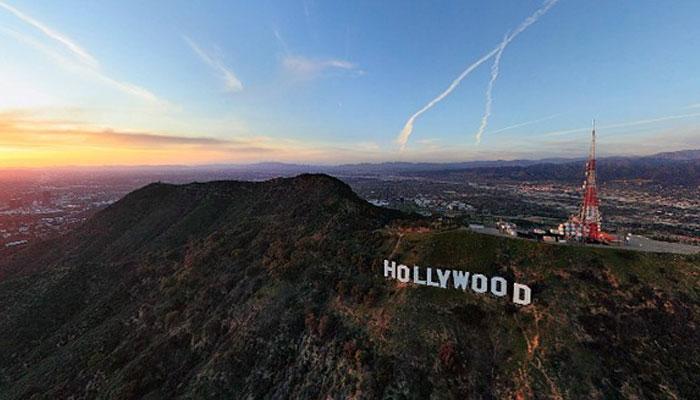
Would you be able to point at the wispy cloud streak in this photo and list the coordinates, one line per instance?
(402, 139)
(281, 41)
(489, 90)
(84, 62)
(27, 132)
(497, 63)
(526, 123)
(624, 124)
(38, 141)
(80, 68)
(304, 68)
(231, 81)
(408, 127)
(308, 68)
(78, 51)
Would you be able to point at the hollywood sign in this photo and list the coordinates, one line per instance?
(461, 280)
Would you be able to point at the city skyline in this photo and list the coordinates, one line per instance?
(329, 83)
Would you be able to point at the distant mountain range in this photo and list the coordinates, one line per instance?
(397, 166)
(678, 155)
(681, 168)
(275, 290)
(408, 167)
(658, 171)
(391, 166)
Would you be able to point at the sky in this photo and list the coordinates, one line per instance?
(328, 82)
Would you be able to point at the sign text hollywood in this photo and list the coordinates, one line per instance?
(452, 278)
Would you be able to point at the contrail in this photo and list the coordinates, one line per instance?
(408, 128)
(489, 90)
(625, 124)
(81, 53)
(497, 63)
(81, 60)
(231, 81)
(78, 67)
(521, 124)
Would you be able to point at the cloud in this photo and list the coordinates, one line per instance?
(526, 123)
(624, 124)
(34, 140)
(642, 140)
(402, 139)
(31, 140)
(68, 43)
(489, 90)
(693, 106)
(35, 130)
(497, 63)
(405, 133)
(231, 82)
(306, 6)
(368, 146)
(304, 67)
(430, 145)
(19, 129)
(281, 41)
(72, 66)
(82, 62)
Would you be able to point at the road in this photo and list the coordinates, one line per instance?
(636, 243)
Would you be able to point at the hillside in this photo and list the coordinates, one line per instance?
(276, 290)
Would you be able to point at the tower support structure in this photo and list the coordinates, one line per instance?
(586, 225)
(589, 215)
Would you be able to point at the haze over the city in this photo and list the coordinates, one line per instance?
(133, 83)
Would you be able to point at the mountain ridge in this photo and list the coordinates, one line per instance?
(275, 290)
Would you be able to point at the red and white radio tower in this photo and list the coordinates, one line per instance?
(589, 215)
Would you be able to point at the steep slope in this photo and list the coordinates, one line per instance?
(275, 290)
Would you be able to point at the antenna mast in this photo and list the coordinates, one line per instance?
(589, 215)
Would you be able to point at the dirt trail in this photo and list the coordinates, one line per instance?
(532, 345)
(396, 247)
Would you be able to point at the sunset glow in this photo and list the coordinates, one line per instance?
(241, 84)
